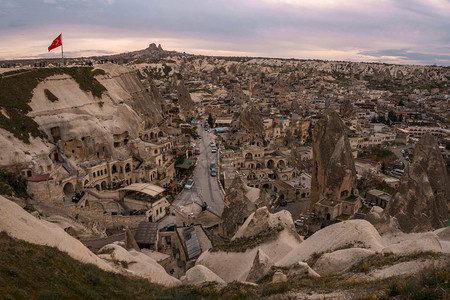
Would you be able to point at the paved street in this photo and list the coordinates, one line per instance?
(397, 152)
(206, 188)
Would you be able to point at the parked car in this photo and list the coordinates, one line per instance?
(213, 149)
(212, 166)
(283, 203)
(298, 223)
(199, 137)
(213, 172)
(189, 184)
(197, 151)
(211, 144)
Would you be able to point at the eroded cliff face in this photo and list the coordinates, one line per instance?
(334, 174)
(420, 203)
(239, 203)
(251, 121)
(86, 126)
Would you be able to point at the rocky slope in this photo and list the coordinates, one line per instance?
(87, 120)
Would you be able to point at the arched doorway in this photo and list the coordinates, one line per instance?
(270, 164)
(104, 185)
(328, 216)
(69, 189)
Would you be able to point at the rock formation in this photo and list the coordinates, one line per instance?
(130, 242)
(348, 234)
(262, 265)
(262, 220)
(251, 121)
(200, 274)
(240, 202)
(18, 223)
(137, 263)
(334, 174)
(340, 260)
(346, 109)
(420, 202)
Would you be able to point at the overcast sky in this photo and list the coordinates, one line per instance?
(391, 31)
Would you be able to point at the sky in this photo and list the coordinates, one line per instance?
(389, 31)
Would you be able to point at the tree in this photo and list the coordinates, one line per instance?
(401, 103)
(210, 120)
(392, 116)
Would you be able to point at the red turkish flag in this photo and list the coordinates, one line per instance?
(56, 43)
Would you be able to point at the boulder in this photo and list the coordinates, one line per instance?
(420, 202)
(334, 173)
(262, 264)
(347, 234)
(302, 269)
(200, 274)
(340, 260)
(279, 277)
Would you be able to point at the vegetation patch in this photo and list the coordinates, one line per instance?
(50, 96)
(378, 261)
(12, 184)
(243, 243)
(16, 92)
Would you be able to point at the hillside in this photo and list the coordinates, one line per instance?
(41, 272)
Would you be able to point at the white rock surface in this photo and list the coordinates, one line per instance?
(340, 260)
(236, 265)
(403, 243)
(351, 234)
(302, 268)
(21, 225)
(444, 238)
(262, 265)
(408, 268)
(261, 220)
(200, 274)
(138, 263)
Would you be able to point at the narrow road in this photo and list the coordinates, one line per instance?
(206, 188)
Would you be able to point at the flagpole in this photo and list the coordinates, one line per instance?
(62, 51)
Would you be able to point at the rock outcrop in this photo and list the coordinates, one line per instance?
(340, 260)
(262, 220)
(262, 265)
(200, 274)
(346, 110)
(420, 202)
(347, 234)
(334, 173)
(19, 224)
(302, 269)
(137, 263)
(252, 121)
(240, 202)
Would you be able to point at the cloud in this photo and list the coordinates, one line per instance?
(326, 29)
(409, 55)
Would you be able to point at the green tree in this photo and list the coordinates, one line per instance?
(210, 120)
(401, 103)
